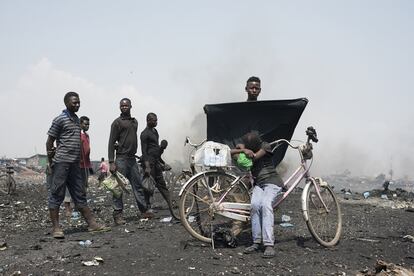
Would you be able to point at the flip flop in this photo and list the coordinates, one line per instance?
(99, 229)
(58, 234)
(269, 252)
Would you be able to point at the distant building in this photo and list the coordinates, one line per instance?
(38, 161)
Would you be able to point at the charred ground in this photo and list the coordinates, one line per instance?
(373, 229)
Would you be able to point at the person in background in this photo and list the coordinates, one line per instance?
(85, 161)
(103, 170)
(151, 156)
(253, 88)
(85, 164)
(163, 146)
(64, 166)
(124, 139)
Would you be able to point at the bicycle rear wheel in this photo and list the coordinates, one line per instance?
(196, 212)
(324, 225)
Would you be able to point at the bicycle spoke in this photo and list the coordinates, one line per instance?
(201, 199)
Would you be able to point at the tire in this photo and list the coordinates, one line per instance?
(195, 213)
(174, 188)
(7, 184)
(325, 227)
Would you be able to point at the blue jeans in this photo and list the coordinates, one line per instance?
(66, 175)
(261, 213)
(129, 168)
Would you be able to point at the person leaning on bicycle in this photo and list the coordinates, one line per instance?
(267, 185)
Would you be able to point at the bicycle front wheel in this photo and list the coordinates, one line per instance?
(196, 210)
(325, 224)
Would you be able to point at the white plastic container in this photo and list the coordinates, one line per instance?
(213, 154)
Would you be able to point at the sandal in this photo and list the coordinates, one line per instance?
(269, 252)
(251, 249)
(58, 234)
(99, 229)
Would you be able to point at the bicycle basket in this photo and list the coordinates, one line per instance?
(213, 154)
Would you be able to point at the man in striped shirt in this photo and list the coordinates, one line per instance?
(64, 166)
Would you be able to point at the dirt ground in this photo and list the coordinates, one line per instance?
(373, 229)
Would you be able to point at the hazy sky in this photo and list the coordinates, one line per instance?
(353, 60)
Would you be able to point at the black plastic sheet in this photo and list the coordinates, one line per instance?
(228, 122)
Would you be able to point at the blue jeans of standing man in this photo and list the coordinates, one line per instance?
(261, 213)
(129, 168)
(66, 175)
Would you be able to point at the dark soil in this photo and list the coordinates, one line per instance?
(370, 233)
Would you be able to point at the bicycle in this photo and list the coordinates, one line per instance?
(178, 182)
(207, 199)
(7, 182)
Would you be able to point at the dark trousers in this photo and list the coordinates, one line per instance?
(66, 175)
(156, 173)
(129, 168)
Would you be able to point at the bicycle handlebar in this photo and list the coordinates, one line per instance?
(310, 132)
(188, 141)
(283, 140)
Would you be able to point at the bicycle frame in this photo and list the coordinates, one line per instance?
(241, 211)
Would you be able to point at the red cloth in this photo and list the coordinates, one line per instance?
(85, 161)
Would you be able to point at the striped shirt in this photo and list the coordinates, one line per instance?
(66, 130)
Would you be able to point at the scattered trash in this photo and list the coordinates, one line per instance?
(191, 267)
(235, 270)
(394, 195)
(99, 259)
(86, 243)
(143, 220)
(409, 209)
(224, 237)
(90, 263)
(285, 218)
(167, 219)
(367, 240)
(348, 193)
(366, 195)
(191, 218)
(383, 268)
(35, 247)
(129, 231)
(408, 238)
(286, 224)
(384, 196)
(3, 246)
(75, 215)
